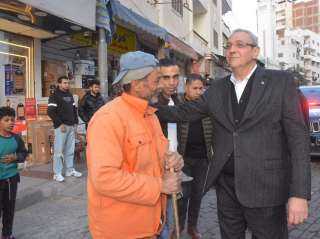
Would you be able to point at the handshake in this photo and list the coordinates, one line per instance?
(172, 176)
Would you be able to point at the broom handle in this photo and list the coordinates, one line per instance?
(175, 211)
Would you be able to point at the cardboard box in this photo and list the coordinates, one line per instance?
(40, 134)
(42, 109)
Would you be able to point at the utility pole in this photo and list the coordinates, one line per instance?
(103, 62)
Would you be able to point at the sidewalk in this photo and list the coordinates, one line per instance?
(37, 185)
(49, 209)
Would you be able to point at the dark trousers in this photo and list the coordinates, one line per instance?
(8, 193)
(234, 219)
(193, 190)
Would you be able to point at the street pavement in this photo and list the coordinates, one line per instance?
(47, 209)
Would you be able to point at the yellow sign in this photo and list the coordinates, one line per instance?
(83, 39)
(123, 41)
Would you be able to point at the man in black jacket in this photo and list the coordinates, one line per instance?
(261, 145)
(168, 83)
(63, 112)
(195, 145)
(90, 102)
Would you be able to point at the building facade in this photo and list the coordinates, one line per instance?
(306, 15)
(299, 51)
(267, 30)
(196, 29)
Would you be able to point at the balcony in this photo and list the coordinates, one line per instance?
(226, 6)
(199, 43)
(225, 29)
(280, 17)
(199, 7)
(280, 26)
(316, 58)
(307, 67)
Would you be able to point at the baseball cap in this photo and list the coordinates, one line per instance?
(134, 66)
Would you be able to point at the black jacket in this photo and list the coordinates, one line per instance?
(88, 105)
(270, 143)
(184, 132)
(164, 101)
(62, 108)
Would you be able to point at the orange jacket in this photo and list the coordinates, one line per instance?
(125, 154)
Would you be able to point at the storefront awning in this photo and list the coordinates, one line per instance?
(81, 12)
(127, 16)
(181, 47)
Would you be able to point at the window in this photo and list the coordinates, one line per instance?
(178, 6)
(215, 2)
(16, 66)
(280, 55)
(282, 42)
(215, 39)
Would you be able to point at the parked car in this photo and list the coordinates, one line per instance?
(312, 94)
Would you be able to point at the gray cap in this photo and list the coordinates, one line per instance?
(134, 66)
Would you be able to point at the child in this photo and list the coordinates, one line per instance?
(12, 151)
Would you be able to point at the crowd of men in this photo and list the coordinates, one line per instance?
(151, 150)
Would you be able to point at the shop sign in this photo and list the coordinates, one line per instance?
(30, 109)
(123, 41)
(8, 79)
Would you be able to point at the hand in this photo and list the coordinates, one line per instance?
(173, 160)
(63, 128)
(9, 158)
(297, 210)
(171, 182)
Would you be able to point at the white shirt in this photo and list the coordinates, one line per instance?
(172, 133)
(240, 85)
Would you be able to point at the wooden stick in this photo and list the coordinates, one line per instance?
(175, 211)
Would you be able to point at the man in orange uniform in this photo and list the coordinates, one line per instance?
(128, 162)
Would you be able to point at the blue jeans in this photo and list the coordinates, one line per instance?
(165, 234)
(64, 144)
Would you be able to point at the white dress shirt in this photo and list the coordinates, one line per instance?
(240, 85)
(172, 133)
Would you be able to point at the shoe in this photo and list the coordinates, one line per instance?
(194, 233)
(186, 178)
(8, 237)
(74, 173)
(173, 234)
(58, 177)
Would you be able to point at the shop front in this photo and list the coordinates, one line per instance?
(23, 29)
(40, 42)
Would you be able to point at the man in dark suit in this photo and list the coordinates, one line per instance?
(260, 142)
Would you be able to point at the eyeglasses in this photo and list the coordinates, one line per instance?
(239, 45)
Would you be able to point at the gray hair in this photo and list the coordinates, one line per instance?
(252, 36)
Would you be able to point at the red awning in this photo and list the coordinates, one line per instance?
(181, 47)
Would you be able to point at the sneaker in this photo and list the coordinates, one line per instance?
(74, 173)
(186, 178)
(58, 177)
